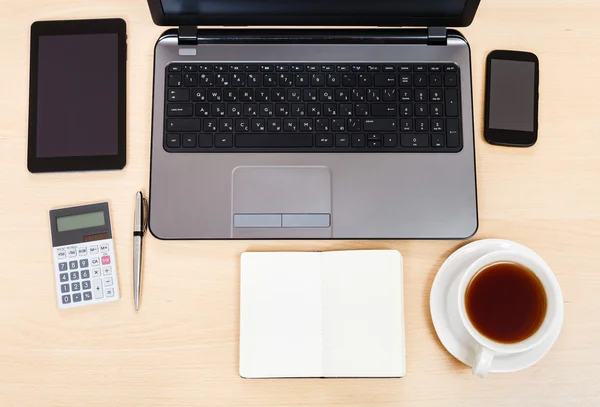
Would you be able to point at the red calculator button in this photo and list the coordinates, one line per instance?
(105, 259)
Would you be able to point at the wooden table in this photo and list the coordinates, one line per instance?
(181, 349)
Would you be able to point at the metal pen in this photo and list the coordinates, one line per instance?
(139, 228)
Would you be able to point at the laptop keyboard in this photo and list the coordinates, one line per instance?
(318, 107)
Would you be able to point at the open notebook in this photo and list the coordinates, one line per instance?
(322, 314)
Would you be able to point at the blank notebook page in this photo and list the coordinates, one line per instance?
(332, 314)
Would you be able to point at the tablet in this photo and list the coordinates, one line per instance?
(77, 96)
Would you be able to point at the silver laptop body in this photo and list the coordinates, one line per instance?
(312, 195)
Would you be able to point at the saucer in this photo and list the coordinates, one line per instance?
(446, 319)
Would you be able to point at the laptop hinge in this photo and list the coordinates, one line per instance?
(187, 35)
(437, 36)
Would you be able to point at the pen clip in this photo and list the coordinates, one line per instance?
(144, 214)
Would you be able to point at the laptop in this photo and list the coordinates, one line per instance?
(312, 133)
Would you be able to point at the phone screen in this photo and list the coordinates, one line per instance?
(511, 99)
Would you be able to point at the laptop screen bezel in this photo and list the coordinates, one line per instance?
(162, 19)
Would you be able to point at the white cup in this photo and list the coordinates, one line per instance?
(487, 349)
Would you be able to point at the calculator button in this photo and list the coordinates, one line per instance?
(82, 251)
(72, 251)
(109, 292)
(86, 285)
(77, 297)
(75, 286)
(94, 249)
(64, 277)
(106, 270)
(96, 272)
(104, 248)
(107, 281)
(61, 254)
(83, 263)
(74, 275)
(72, 264)
(105, 259)
(62, 266)
(98, 292)
(85, 274)
(66, 299)
(95, 261)
(87, 296)
(64, 288)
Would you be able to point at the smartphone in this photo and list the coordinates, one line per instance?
(77, 96)
(511, 98)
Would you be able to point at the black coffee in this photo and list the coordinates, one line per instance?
(506, 302)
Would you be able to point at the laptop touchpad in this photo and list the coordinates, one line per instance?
(266, 200)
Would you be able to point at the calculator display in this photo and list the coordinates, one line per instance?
(80, 221)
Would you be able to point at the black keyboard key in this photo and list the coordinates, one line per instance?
(282, 68)
(435, 80)
(294, 95)
(218, 110)
(298, 109)
(230, 95)
(388, 68)
(324, 140)
(342, 68)
(437, 140)
(384, 80)
(246, 95)
(236, 68)
(234, 109)
(421, 110)
(242, 125)
(262, 95)
(437, 125)
(330, 109)
(225, 125)
(313, 109)
(451, 96)
(254, 80)
(189, 140)
(270, 79)
(198, 95)
(205, 140)
(405, 80)
(414, 140)
(384, 109)
(273, 125)
(333, 79)
(374, 95)
(404, 68)
(317, 79)
(422, 125)
(204, 68)
(338, 125)
(358, 95)
(251, 68)
(373, 137)
(450, 80)
(202, 109)
(365, 79)
(190, 79)
(310, 95)
(224, 140)
(345, 109)
(215, 95)
(420, 95)
(207, 79)
(435, 95)
(342, 95)
(312, 68)
(306, 125)
(450, 68)
(174, 80)
(373, 144)
(278, 95)
(435, 68)
(210, 125)
(379, 125)
(358, 140)
(286, 79)
(390, 140)
(342, 140)
(290, 125)
(325, 95)
(173, 140)
(435, 109)
(389, 95)
(406, 109)
(327, 68)
(183, 125)
(258, 125)
(419, 68)
(174, 68)
(178, 95)
(297, 68)
(266, 140)
(180, 109)
(282, 109)
(223, 79)
(452, 133)
(406, 125)
(220, 68)
(301, 79)
(348, 80)
(358, 68)
(373, 68)
(266, 110)
(406, 95)
(354, 124)
(190, 68)
(420, 80)
(361, 109)
(322, 124)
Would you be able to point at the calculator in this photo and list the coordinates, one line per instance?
(85, 267)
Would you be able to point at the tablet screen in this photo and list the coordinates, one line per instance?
(77, 96)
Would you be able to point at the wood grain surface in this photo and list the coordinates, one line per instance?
(181, 349)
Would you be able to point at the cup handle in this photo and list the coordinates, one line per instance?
(483, 361)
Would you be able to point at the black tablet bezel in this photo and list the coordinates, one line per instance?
(85, 163)
(506, 137)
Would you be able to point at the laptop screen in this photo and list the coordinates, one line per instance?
(295, 12)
